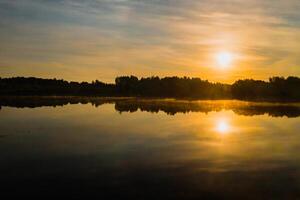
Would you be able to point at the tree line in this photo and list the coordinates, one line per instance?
(275, 89)
(38, 86)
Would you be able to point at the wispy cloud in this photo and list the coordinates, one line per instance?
(84, 40)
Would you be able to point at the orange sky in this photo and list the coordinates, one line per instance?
(101, 39)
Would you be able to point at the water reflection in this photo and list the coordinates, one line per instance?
(222, 126)
(198, 150)
(169, 106)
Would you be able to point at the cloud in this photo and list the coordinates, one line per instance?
(69, 38)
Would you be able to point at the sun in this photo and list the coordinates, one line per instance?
(224, 59)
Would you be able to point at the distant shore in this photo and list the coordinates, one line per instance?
(277, 89)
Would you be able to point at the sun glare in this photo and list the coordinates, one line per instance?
(222, 127)
(224, 59)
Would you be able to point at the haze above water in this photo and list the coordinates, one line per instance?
(150, 148)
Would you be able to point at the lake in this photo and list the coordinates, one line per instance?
(149, 148)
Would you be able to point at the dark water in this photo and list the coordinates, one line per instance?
(149, 149)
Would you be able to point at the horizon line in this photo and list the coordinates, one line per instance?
(160, 77)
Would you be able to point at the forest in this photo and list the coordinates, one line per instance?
(275, 89)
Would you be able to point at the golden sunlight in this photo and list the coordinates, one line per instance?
(224, 59)
(222, 126)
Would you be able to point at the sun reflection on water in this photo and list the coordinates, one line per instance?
(222, 126)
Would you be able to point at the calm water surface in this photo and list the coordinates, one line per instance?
(150, 149)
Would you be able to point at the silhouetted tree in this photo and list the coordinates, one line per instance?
(276, 89)
(38, 86)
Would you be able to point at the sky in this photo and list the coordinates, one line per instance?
(101, 39)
